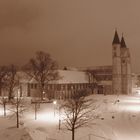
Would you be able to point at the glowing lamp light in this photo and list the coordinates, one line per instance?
(54, 102)
(139, 92)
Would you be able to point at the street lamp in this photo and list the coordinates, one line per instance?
(43, 95)
(59, 117)
(54, 102)
(17, 107)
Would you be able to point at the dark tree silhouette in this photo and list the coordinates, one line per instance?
(11, 80)
(79, 111)
(3, 73)
(18, 107)
(7, 82)
(43, 69)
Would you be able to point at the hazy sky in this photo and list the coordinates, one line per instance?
(75, 32)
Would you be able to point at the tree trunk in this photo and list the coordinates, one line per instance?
(17, 114)
(73, 132)
(35, 110)
(41, 92)
(4, 106)
(10, 94)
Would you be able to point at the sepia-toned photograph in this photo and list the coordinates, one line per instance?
(69, 70)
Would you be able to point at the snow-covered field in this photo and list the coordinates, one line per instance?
(118, 121)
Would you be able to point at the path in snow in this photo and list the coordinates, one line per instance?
(125, 125)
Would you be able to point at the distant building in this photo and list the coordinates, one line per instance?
(121, 62)
(102, 77)
(64, 88)
(114, 79)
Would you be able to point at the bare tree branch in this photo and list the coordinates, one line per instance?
(43, 69)
(79, 111)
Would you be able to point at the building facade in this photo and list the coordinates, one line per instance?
(114, 79)
(70, 82)
(121, 64)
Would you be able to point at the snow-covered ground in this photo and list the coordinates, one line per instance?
(118, 121)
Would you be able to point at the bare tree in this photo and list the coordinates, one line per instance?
(43, 69)
(18, 107)
(3, 73)
(12, 80)
(7, 80)
(78, 111)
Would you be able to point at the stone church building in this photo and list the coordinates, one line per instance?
(121, 74)
(113, 79)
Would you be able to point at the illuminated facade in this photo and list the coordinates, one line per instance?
(113, 79)
(121, 63)
(64, 88)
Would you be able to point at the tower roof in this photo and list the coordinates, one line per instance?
(116, 39)
(123, 44)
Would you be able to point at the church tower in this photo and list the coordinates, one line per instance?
(125, 68)
(121, 63)
(116, 64)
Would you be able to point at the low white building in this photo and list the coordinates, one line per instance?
(69, 82)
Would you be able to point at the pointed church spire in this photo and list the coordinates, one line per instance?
(123, 45)
(116, 39)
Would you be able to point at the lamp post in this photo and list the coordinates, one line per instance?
(59, 117)
(43, 95)
(54, 102)
(17, 107)
(36, 107)
(4, 102)
(35, 110)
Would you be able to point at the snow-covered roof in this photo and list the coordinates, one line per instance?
(71, 76)
(68, 76)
